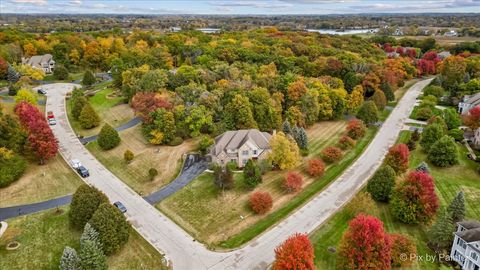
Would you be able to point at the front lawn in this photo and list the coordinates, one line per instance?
(201, 208)
(448, 182)
(44, 235)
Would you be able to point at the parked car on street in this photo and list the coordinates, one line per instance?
(83, 171)
(51, 118)
(41, 91)
(120, 206)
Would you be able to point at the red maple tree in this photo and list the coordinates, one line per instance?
(292, 182)
(472, 120)
(332, 154)
(397, 158)
(295, 253)
(261, 202)
(316, 167)
(145, 103)
(356, 129)
(365, 245)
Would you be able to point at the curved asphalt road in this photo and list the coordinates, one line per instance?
(179, 247)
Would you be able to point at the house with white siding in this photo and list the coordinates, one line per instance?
(466, 245)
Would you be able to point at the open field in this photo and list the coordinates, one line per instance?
(44, 235)
(448, 182)
(201, 208)
(166, 159)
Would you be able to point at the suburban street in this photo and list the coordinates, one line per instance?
(180, 248)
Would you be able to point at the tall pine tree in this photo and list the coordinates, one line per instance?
(441, 233)
(92, 257)
(457, 207)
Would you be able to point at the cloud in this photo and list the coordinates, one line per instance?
(76, 2)
(34, 2)
(252, 4)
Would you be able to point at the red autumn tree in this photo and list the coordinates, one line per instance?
(414, 200)
(472, 120)
(292, 182)
(356, 129)
(401, 244)
(345, 142)
(397, 158)
(295, 253)
(316, 167)
(261, 202)
(412, 53)
(3, 68)
(365, 245)
(145, 103)
(41, 141)
(332, 154)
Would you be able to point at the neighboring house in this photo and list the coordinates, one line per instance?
(466, 245)
(239, 146)
(444, 54)
(44, 62)
(451, 33)
(468, 102)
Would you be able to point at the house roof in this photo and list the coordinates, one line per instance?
(469, 236)
(469, 224)
(232, 140)
(473, 99)
(37, 60)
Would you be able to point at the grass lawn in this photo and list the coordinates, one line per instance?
(44, 235)
(448, 182)
(166, 159)
(201, 208)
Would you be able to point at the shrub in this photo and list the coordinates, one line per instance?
(433, 90)
(368, 112)
(295, 253)
(332, 154)
(175, 141)
(25, 95)
(429, 101)
(412, 145)
(414, 200)
(128, 156)
(356, 129)
(362, 203)
(401, 244)
(345, 142)
(88, 117)
(88, 78)
(108, 138)
(397, 158)
(112, 227)
(381, 184)
(379, 99)
(12, 166)
(60, 73)
(77, 106)
(415, 135)
(443, 153)
(293, 182)
(251, 174)
(152, 173)
(430, 135)
(423, 113)
(85, 202)
(261, 202)
(316, 167)
(456, 133)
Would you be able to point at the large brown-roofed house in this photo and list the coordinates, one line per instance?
(239, 146)
(44, 62)
(466, 245)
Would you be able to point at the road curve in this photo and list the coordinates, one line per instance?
(179, 247)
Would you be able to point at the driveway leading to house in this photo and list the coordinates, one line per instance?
(179, 247)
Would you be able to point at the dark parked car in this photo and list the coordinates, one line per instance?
(83, 171)
(41, 91)
(120, 207)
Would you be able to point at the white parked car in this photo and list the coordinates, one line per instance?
(75, 163)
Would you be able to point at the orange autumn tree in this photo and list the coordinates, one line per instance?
(295, 253)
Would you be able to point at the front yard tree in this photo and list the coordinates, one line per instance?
(60, 73)
(365, 245)
(108, 137)
(430, 135)
(84, 203)
(301, 138)
(472, 120)
(452, 119)
(356, 129)
(362, 203)
(457, 207)
(112, 228)
(293, 182)
(92, 257)
(316, 167)
(397, 158)
(12, 75)
(128, 156)
(368, 112)
(295, 253)
(223, 177)
(441, 232)
(69, 259)
(261, 202)
(332, 154)
(88, 117)
(443, 153)
(162, 121)
(382, 183)
(285, 153)
(89, 234)
(379, 99)
(401, 244)
(88, 78)
(25, 95)
(414, 199)
(77, 106)
(251, 174)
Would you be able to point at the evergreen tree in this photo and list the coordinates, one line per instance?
(13, 89)
(85, 202)
(252, 174)
(423, 167)
(287, 129)
(12, 75)
(441, 233)
(92, 257)
(60, 73)
(457, 207)
(89, 234)
(415, 135)
(108, 137)
(88, 78)
(89, 117)
(77, 105)
(69, 259)
(302, 139)
(382, 183)
(443, 153)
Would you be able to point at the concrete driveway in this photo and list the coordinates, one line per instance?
(179, 247)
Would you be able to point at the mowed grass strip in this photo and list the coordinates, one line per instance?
(167, 160)
(44, 235)
(201, 208)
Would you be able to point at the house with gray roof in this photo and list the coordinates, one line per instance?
(239, 146)
(44, 62)
(466, 245)
(468, 102)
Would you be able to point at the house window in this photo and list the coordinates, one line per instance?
(245, 152)
(474, 255)
(255, 152)
(244, 161)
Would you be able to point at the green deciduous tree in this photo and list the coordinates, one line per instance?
(88, 117)
(223, 177)
(266, 113)
(88, 78)
(12, 166)
(60, 73)
(382, 183)
(443, 153)
(163, 121)
(84, 203)
(430, 135)
(452, 119)
(108, 137)
(379, 99)
(238, 114)
(368, 112)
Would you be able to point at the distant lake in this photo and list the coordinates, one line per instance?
(342, 32)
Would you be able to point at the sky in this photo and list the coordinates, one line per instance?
(226, 7)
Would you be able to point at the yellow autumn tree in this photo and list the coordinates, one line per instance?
(25, 95)
(285, 153)
(29, 50)
(355, 99)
